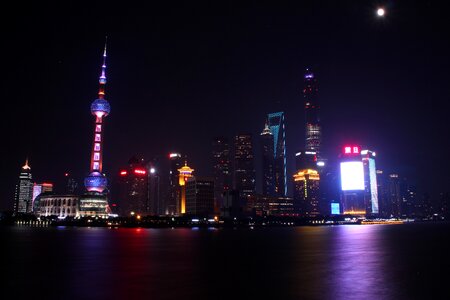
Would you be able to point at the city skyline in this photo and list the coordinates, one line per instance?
(374, 98)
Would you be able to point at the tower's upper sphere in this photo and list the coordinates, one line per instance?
(100, 106)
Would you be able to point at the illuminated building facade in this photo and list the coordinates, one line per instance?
(370, 182)
(95, 202)
(61, 206)
(39, 189)
(244, 168)
(221, 169)
(312, 128)
(133, 196)
(173, 197)
(185, 173)
(394, 195)
(352, 181)
(260, 205)
(277, 127)
(199, 196)
(306, 192)
(24, 191)
(268, 161)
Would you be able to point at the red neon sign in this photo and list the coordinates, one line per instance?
(123, 173)
(352, 150)
(139, 171)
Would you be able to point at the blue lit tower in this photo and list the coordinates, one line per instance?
(100, 108)
(313, 130)
(276, 125)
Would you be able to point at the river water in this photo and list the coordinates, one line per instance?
(408, 261)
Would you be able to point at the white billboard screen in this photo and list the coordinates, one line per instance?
(352, 176)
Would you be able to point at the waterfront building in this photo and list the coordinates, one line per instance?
(24, 191)
(370, 182)
(133, 194)
(199, 196)
(260, 205)
(38, 189)
(173, 195)
(352, 181)
(306, 192)
(244, 168)
(221, 169)
(184, 174)
(61, 206)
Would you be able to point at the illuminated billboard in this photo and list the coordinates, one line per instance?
(335, 209)
(352, 176)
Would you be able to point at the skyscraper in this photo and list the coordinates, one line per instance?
(173, 195)
(24, 191)
(394, 195)
(221, 169)
(154, 180)
(277, 127)
(268, 161)
(133, 196)
(352, 181)
(185, 173)
(312, 126)
(95, 202)
(244, 169)
(370, 182)
(306, 192)
(200, 196)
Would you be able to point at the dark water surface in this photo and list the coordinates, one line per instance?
(410, 261)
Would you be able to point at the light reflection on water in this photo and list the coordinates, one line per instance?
(327, 262)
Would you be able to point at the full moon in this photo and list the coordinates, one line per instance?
(380, 12)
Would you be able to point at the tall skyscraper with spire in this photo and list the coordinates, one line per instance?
(95, 201)
(312, 126)
(277, 127)
(24, 191)
(268, 160)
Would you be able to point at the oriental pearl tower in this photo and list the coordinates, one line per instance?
(94, 202)
(100, 108)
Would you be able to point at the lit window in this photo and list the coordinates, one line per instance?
(97, 147)
(98, 137)
(98, 128)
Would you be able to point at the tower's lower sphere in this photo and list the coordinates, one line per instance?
(100, 105)
(95, 182)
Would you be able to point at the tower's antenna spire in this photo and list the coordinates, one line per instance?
(102, 80)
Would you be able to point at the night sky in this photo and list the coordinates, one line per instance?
(181, 74)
